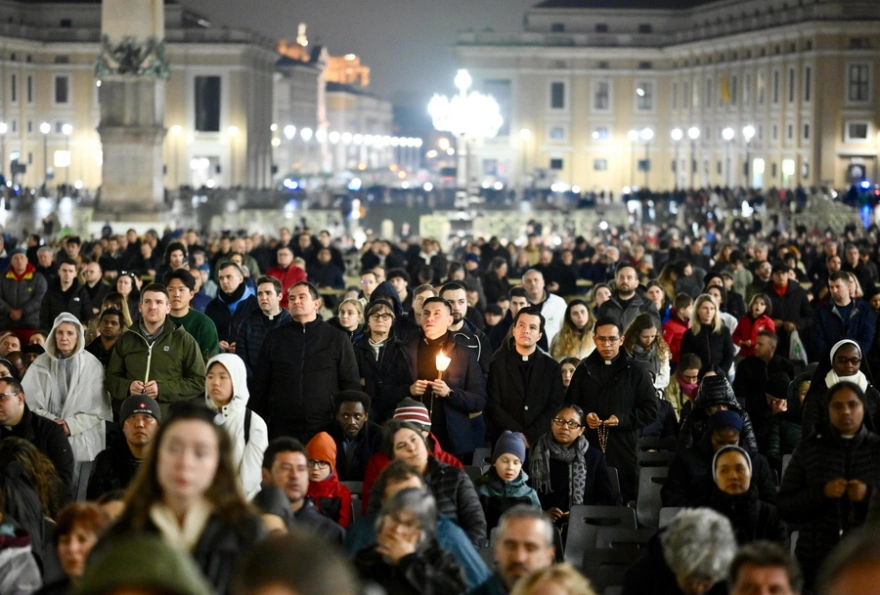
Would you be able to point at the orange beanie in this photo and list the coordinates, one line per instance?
(322, 448)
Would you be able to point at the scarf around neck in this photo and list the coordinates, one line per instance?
(689, 389)
(831, 378)
(547, 448)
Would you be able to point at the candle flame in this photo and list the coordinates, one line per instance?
(442, 362)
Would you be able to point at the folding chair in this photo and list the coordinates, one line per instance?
(606, 568)
(355, 487)
(614, 477)
(667, 513)
(615, 538)
(654, 443)
(80, 488)
(474, 472)
(651, 480)
(652, 458)
(584, 523)
(786, 459)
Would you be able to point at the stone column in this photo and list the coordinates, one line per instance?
(132, 69)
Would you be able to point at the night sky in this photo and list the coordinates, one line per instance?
(406, 43)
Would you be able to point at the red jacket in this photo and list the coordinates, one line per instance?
(673, 330)
(332, 499)
(380, 460)
(747, 329)
(293, 274)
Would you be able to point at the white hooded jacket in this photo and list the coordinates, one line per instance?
(247, 457)
(71, 389)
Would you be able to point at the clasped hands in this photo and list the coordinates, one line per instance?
(594, 422)
(855, 490)
(438, 387)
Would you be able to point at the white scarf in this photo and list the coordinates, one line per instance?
(831, 378)
(181, 537)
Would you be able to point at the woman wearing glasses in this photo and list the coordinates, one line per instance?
(846, 364)
(566, 470)
(377, 352)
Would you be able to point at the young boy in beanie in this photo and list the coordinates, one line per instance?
(331, 498)
(504, 485)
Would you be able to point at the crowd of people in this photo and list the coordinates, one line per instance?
(297, 414)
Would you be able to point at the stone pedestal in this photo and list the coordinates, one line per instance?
(132, 134)
(132, 69)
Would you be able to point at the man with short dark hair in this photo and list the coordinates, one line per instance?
(369, 282)
(753, 372)
(324, 273)
(519, 299)
(155, 358)
(301, 365)
(16, 419)
(399, 279)
(626, 303)
(94, 285)
(764, 568)
(617, 396)
(110, 325)
(455, 396)
(286, 272)
(268, 315)
(464, 332)
(286, 466)
(843, 317)
(115, 466)
(65, 295)
(525, 544)
(181, 286)
(233, 305)
(357, 437)
(525, 385)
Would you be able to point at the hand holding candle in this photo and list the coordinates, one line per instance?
(442, 364)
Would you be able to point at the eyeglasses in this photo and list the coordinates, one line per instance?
(319, 464)
(853, 361)
(607, 340)
(4, 395)
(573, 425)
(383, 316)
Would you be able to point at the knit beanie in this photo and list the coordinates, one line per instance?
(142, 562)
(509, 443)
(725, 419)
(322, 448)
(412, 411)
(730, 448)
(376, 304)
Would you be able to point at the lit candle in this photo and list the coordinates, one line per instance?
(442, 364)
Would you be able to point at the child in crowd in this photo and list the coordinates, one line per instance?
(678, 324)
(330, 496)
(756, 320)
(504, 486)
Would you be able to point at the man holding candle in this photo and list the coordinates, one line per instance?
(464, 332)
(617, 395)
(446, 377)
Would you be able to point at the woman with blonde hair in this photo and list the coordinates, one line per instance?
(645, 343)
(349, 318)
(575, 339)
(559, 579)
(708, 338)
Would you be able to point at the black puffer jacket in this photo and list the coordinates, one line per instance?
(712, 348)
(714, 391)
(457, 498)
(823, 522)
(690, 483)
(430, 570)
(300, 368)
(752, 519)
